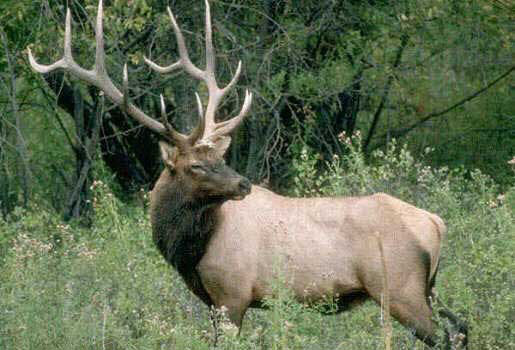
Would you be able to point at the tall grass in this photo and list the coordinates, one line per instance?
(66, 287)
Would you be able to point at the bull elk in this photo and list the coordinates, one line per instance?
(223, 235)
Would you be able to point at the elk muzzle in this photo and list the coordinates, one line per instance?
(244, 187)
(221, 182)
(237, 187)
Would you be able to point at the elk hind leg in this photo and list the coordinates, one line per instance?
(409, 304)
(456, 330)
(416, 316)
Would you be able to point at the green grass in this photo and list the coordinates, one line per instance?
(66, 287)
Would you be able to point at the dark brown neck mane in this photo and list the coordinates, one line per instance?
(182, 226)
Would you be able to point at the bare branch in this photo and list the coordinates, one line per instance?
(402, 132)
(386, 91)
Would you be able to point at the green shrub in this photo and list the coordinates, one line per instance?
(66, 287)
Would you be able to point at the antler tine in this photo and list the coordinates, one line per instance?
(210, 51)
(62, 63)
(184, 61)
(66, 62)
(125, 88)
(98, 75)
(226, 127)
(99, 38)
(211, 128)
(199, 105)
(215, 93)
(176, 136)
(201, 126)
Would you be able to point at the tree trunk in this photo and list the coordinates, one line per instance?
(87, 133)
(22, 161)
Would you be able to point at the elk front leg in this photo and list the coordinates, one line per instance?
(229, 315)
(230, 302)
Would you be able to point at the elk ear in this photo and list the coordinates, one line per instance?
(168, 154)
(221, 145)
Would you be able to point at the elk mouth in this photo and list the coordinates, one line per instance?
(244, 188)
(239, 196)
(237, 189)
(233, 196)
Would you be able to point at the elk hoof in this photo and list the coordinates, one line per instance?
(457, 341)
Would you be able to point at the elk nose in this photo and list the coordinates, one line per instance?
(244, 186)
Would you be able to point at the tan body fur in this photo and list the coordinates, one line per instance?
(321, 247)
(320, 243)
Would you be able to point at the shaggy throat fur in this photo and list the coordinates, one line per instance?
(181, 231)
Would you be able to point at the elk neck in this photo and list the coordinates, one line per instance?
(182, 222)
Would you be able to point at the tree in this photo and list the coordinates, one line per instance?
(430, 73)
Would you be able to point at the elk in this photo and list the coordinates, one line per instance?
(224, 235)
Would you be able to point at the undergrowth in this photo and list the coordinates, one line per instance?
(66, 287)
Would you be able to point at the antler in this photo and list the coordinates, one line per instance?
(212, 130)
(99, 78)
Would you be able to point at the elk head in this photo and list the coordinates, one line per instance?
(195, 160)
(201, 171)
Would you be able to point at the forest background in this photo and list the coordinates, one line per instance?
(342, 89)
(432, 74)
